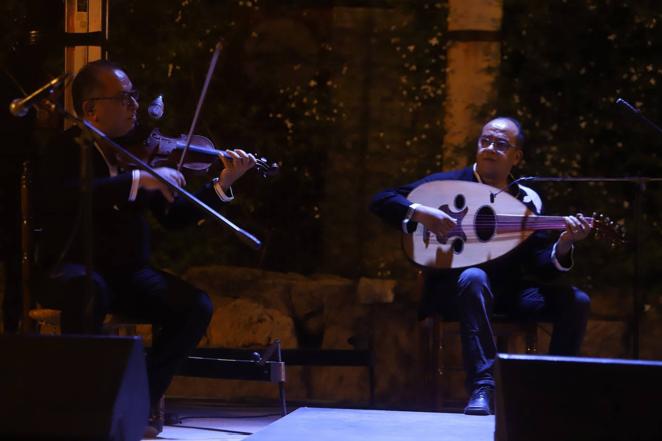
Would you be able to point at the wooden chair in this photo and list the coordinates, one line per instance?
(48, 322)
(442, 356)
(442, 371)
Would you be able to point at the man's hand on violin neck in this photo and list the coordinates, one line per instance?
(149, 182)
(234, 168)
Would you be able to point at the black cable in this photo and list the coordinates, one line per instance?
(507, 187)
(228, 417)
(212, 429)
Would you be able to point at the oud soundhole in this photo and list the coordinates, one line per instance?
(458, 246)
(485, 223)
(459, 201)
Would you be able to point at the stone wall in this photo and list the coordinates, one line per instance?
(252, 307)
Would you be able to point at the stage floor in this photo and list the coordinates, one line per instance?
(212, 421)
(321, 424)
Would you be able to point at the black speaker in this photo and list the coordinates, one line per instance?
(72, 388)
(571, 398)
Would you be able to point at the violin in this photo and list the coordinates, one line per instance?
(163, 151)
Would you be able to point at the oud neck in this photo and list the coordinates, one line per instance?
(508, 223)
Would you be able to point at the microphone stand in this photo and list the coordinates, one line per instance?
(640, 183)
(638, 207)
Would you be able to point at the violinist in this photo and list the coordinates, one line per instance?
(123, 280)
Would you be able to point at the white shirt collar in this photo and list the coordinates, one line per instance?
(477, 176)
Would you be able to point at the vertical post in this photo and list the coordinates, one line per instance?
(636, 295)
(86, 144)
(281, 384)
(82, 16)
(473, 58)
(27, 325)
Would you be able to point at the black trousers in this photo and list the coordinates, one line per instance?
(474, 300)
(179, 313)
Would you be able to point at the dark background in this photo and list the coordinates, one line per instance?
(348, 97)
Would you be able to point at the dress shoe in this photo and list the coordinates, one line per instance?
(481, 401)
(155, 420)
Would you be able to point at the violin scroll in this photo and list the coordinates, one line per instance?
(265, 169)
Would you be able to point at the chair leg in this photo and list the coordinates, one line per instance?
(532, 339)
(428, 358)
(442, 371)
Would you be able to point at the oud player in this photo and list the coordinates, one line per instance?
(522, 284)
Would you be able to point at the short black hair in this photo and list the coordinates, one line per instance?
(520, 131)
(87, 82)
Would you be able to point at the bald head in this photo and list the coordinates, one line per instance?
(88, 82)
(506, 124)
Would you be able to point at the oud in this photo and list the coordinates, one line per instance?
(488, 226)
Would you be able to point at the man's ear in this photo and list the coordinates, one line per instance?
(88, 108)
(518, 154)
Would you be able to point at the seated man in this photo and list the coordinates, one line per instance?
(123, 280)
(519, 284)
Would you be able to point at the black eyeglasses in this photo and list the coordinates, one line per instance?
(124, 97)
(499, 144)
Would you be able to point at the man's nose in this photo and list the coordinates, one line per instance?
(491, 146)
(133, 103)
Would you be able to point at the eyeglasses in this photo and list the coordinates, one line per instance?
(500, 145)
(124, 97)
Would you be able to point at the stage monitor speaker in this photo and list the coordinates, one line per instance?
(72, 388)
(571, 398)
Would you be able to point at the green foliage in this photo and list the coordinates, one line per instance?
(278, 90)
(13, 15)
(268, 96)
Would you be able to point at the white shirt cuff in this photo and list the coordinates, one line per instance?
(557, 264)
(410, 213)
(135, 183)
(221, 194)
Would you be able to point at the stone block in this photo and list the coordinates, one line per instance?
(606, 339)
(241, 323)
(398, 361)
(271, 289)
(651, 334)
(375, 290)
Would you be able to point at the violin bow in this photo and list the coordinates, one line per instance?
(243, 235)
(203, 94)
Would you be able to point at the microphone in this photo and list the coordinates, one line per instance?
(20, 106)
(155, 108)
(630, 107)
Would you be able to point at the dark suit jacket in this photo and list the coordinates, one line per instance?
(120, 233)
(529, 263)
